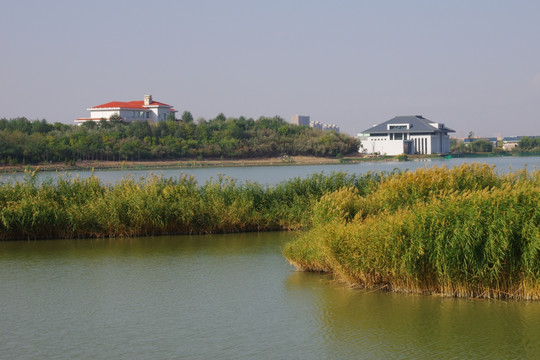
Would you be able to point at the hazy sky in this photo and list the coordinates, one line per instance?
(474, 65)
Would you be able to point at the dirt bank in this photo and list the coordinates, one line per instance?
(182, 163)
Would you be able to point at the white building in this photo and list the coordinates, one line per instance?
(303, 120)
(510, 142)
(316, 125)
(330, 127)
(406, 135)
(300, 120)
(145, 110)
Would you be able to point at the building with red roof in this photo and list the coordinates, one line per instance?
(129, 111)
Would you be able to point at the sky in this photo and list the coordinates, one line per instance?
(473, 65)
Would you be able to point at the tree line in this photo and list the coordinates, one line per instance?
(31, 142)
(526, 144)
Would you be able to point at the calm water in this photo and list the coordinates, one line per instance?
(274, 174)
(229, 297)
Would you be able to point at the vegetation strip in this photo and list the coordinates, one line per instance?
(75, 208)
(24, 142)
(464, 232)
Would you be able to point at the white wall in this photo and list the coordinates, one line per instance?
(436, 144)
(431, 144)
(383, 145)
(446, 144)
(155, 114)
(127, 115)
(163, 111)
(98, 114)
(134, 115)
(423, 144)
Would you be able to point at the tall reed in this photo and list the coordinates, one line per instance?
(74, 207)
(460, 232)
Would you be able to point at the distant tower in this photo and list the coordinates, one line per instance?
(147, 99)
(300, 120)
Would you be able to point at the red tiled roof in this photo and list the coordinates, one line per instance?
(138, 104)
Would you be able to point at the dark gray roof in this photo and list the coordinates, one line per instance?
(417, 124)
(517, 138)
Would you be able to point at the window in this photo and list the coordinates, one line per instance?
(397, 126)
(398, 136)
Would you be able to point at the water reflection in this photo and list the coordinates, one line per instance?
(229, 296)
(373, 324)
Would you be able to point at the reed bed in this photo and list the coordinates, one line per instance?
(76, 208)
(463, 232)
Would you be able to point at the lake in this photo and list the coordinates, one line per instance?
(272, 175)
(234, 296)
(229, 296)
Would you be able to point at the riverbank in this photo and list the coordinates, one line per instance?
(463, 232)
(193, 163)
(172, 164)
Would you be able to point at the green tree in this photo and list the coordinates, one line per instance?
(90, 124)
(116, 119)
(471, 139)
(481, 145)
(528, 143)
(187, 117)
(27, 141)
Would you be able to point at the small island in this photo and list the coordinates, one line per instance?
(463, 232)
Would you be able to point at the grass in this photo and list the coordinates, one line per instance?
(464, 232)
(77, 208)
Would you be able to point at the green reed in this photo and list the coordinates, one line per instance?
(460, 232)
(74, 207)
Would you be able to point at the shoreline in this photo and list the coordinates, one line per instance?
(194, 163)
(184, 163)
(167, 164)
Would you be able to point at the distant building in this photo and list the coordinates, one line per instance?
(492, 140)
(511, 142)
(330, 127)
(145, 110)
(300, 120)
(406, 135)
(316, 125)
